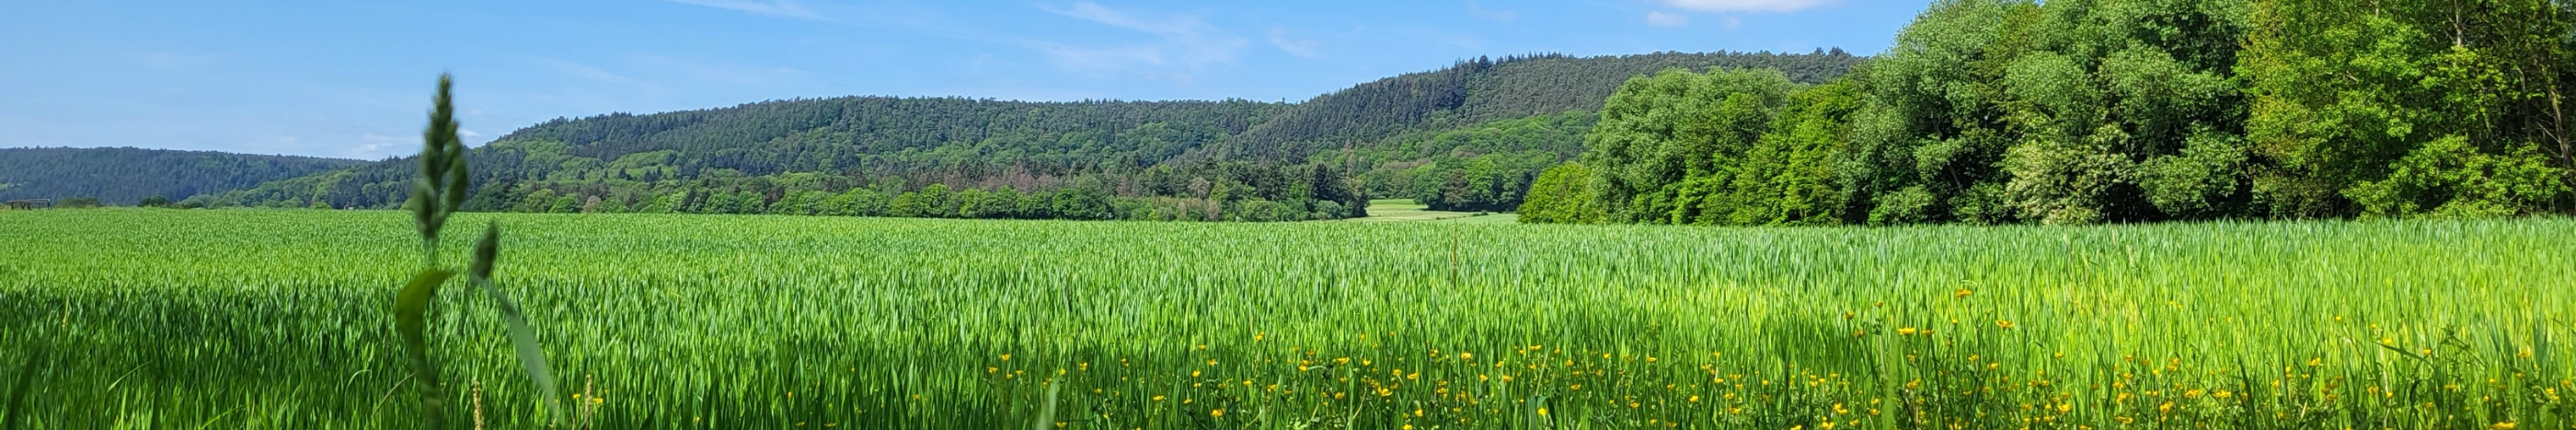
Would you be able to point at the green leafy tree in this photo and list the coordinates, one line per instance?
(1561, 195)
(1662, 139)
(2449, 107)
(1790, 177)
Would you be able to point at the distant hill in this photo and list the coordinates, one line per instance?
(124, 176)
(854, 140)
(1178, 154)
(1484, 90)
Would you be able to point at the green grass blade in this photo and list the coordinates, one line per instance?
(17, 412)
(410, 319)
(1046, 415)
(523, 339)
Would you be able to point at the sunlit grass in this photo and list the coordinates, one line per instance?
(278, 319)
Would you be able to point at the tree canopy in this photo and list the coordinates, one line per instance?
(2084, 111)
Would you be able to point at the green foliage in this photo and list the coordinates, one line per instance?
(1486, 167)
(1790, 177)
(2440, 107)
(1561, 195)
(2063, 112)
(2447, 178)
(131, 174)
(1481, 91)
(1490, 124)
(1666, 141)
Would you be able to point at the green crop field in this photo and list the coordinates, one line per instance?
(280, 319)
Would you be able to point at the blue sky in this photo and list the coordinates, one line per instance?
(353, 78)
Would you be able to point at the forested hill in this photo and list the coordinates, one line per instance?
(1484, 90)
(1231, 159)
(126, 176)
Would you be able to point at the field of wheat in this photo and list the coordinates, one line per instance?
(278, 319)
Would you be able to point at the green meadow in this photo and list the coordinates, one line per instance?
(280, 319)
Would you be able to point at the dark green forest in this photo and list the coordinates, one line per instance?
(1471, 135)
(2090, 111)
(129, 176)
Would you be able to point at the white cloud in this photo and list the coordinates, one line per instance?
(1746, 5)
(1108, 58)
(1478, 10)
(1733, 23)
(370, 146)
(1189, 40)
(778, 8)
(468, 133)
(1661, 19)
(1302, 48)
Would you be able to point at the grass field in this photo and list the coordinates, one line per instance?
(1395, 210)
(277, 319)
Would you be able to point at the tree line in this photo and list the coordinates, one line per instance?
(2088, 111)
(130, 176)
(1470, 136)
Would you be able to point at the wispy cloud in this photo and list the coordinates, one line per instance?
(588, 72)
(172, 60)
(1478, 10)
(1661, 19)
(1299, 47)
(713, 72)
(1746, 5)
(1100, 58)
(777, 8)
(1189, 39)
(370, 146)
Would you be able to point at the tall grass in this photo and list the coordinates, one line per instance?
(782, 322)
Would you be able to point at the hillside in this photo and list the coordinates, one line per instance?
(1484, 90)
(124, 176)
(1162, 159)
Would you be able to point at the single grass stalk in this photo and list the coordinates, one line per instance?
(522, 338)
